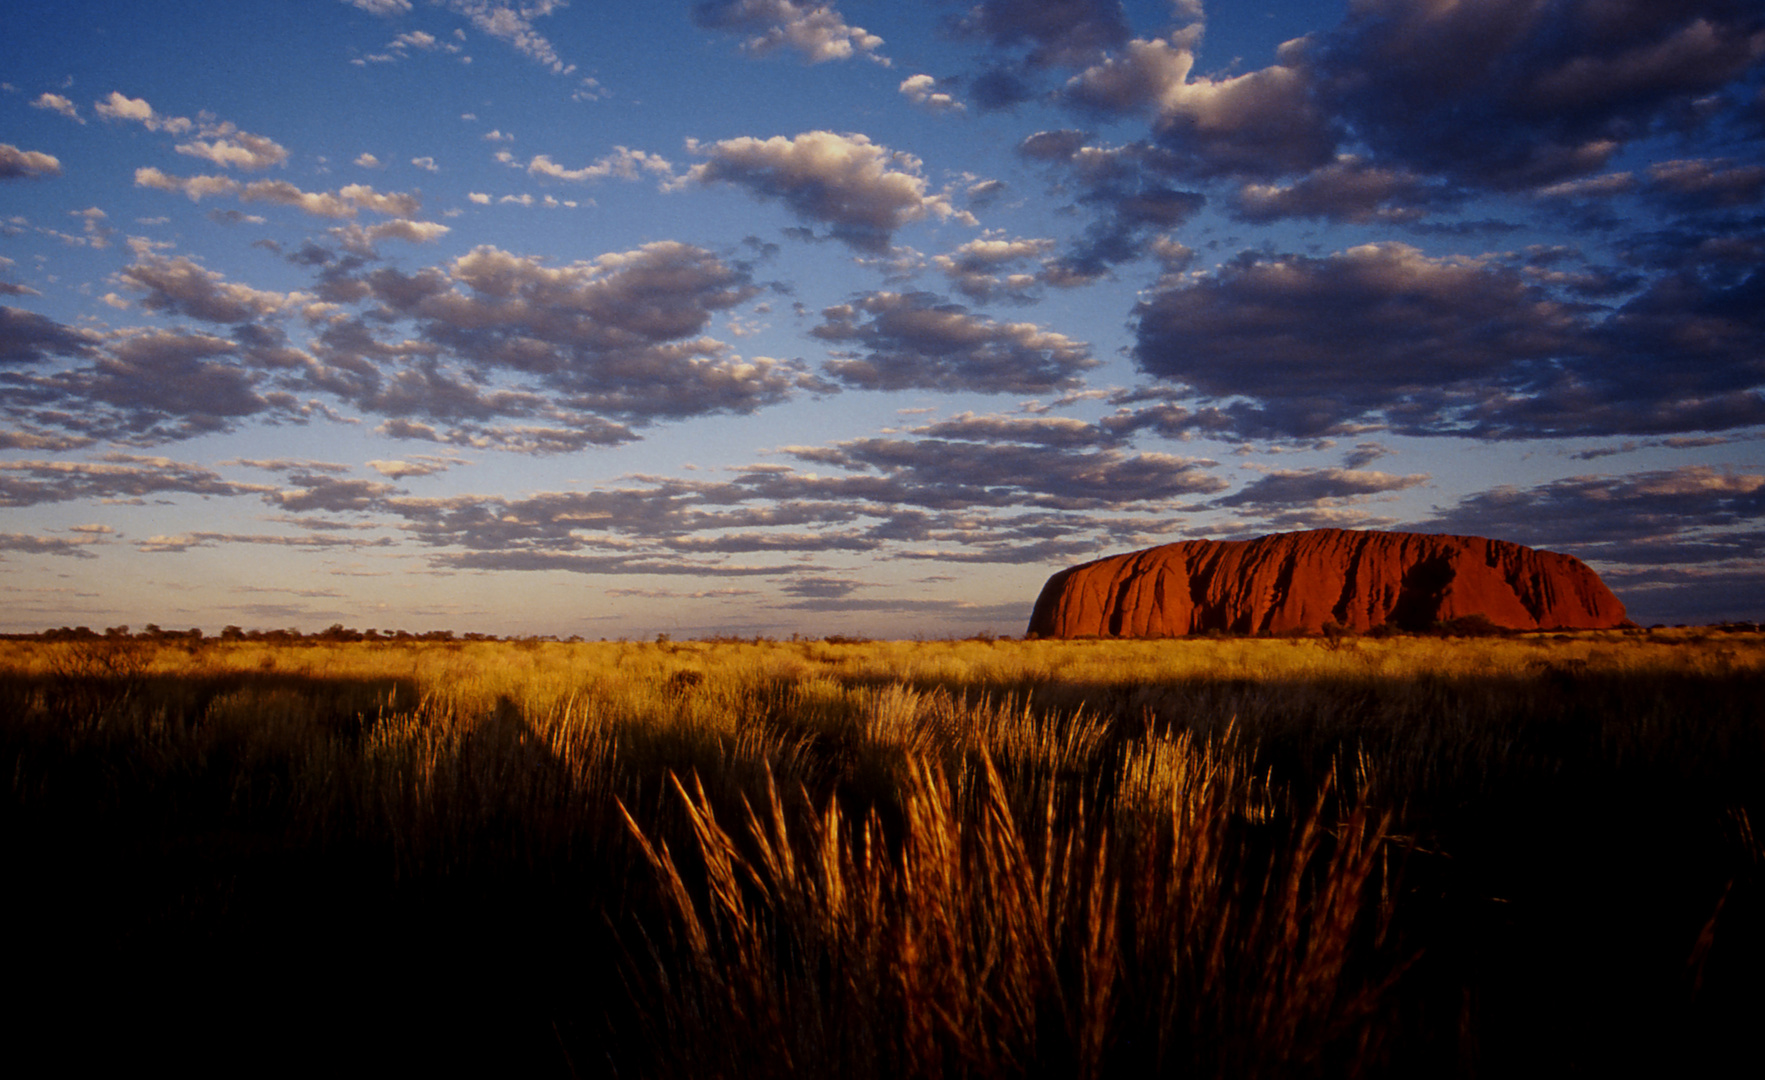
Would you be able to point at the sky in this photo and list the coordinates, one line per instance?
(761, 317)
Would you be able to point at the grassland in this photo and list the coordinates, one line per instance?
(1226, 857)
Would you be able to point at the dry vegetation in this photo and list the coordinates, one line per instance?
(1297, 857)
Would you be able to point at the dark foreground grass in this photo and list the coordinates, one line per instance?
(1410, 857)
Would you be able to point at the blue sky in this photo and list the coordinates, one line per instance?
(767, 316)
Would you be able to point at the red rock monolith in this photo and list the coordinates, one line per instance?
(1301, 581)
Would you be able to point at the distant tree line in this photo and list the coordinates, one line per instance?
(336, 632)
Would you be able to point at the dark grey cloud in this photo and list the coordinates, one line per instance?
(1127, 191)
(29, 338)
(165, 384)
(920, 340)
(1385, 335)
(1348, 189)
(1053, 33)
(1365, 453)
(1685, 544)
(1520, 93)
(1693, 185)
(1689, 515)
(1406, 109)
(1033, 38)
(1694, 595)
(1313, 487)
(1155, 409)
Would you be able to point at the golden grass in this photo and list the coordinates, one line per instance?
(1224, 857)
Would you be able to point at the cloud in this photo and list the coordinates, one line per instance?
(220, 142)
(697, 594)
(235, 217)
(343, 203)
(984, 490)
(1674, 543)
(1264, 123)
(622, 163)
(922, 90)
(1054, 431)
(980, 269)
(181, 286)
(397, 470)
(17, 164)
(181, 542)
(1704, 184)
(1525, 93)
(171, 383)
(619, 336)
(357, 239)
(1318, 487)
(57, 103)
(119, 107)
(47, 545)
(863, 190)
(1162, 416)
(1385, 335)
(1403, 109)
(919, 340)
(230, 147)
(391, 203)
(1126, 188)
(1365, 453)
(947, 474)
(1065, 32)
(29, 338)
(572, 434)
(114, 477)
(817, 31)
(142, 385)
(414, 39)
(1349, 189)
(329, 494)
(382, 7)
(514, 25)
(821, 586)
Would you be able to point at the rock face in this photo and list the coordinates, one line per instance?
(1300, 581)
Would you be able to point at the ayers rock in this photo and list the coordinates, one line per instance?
(1301, 581)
